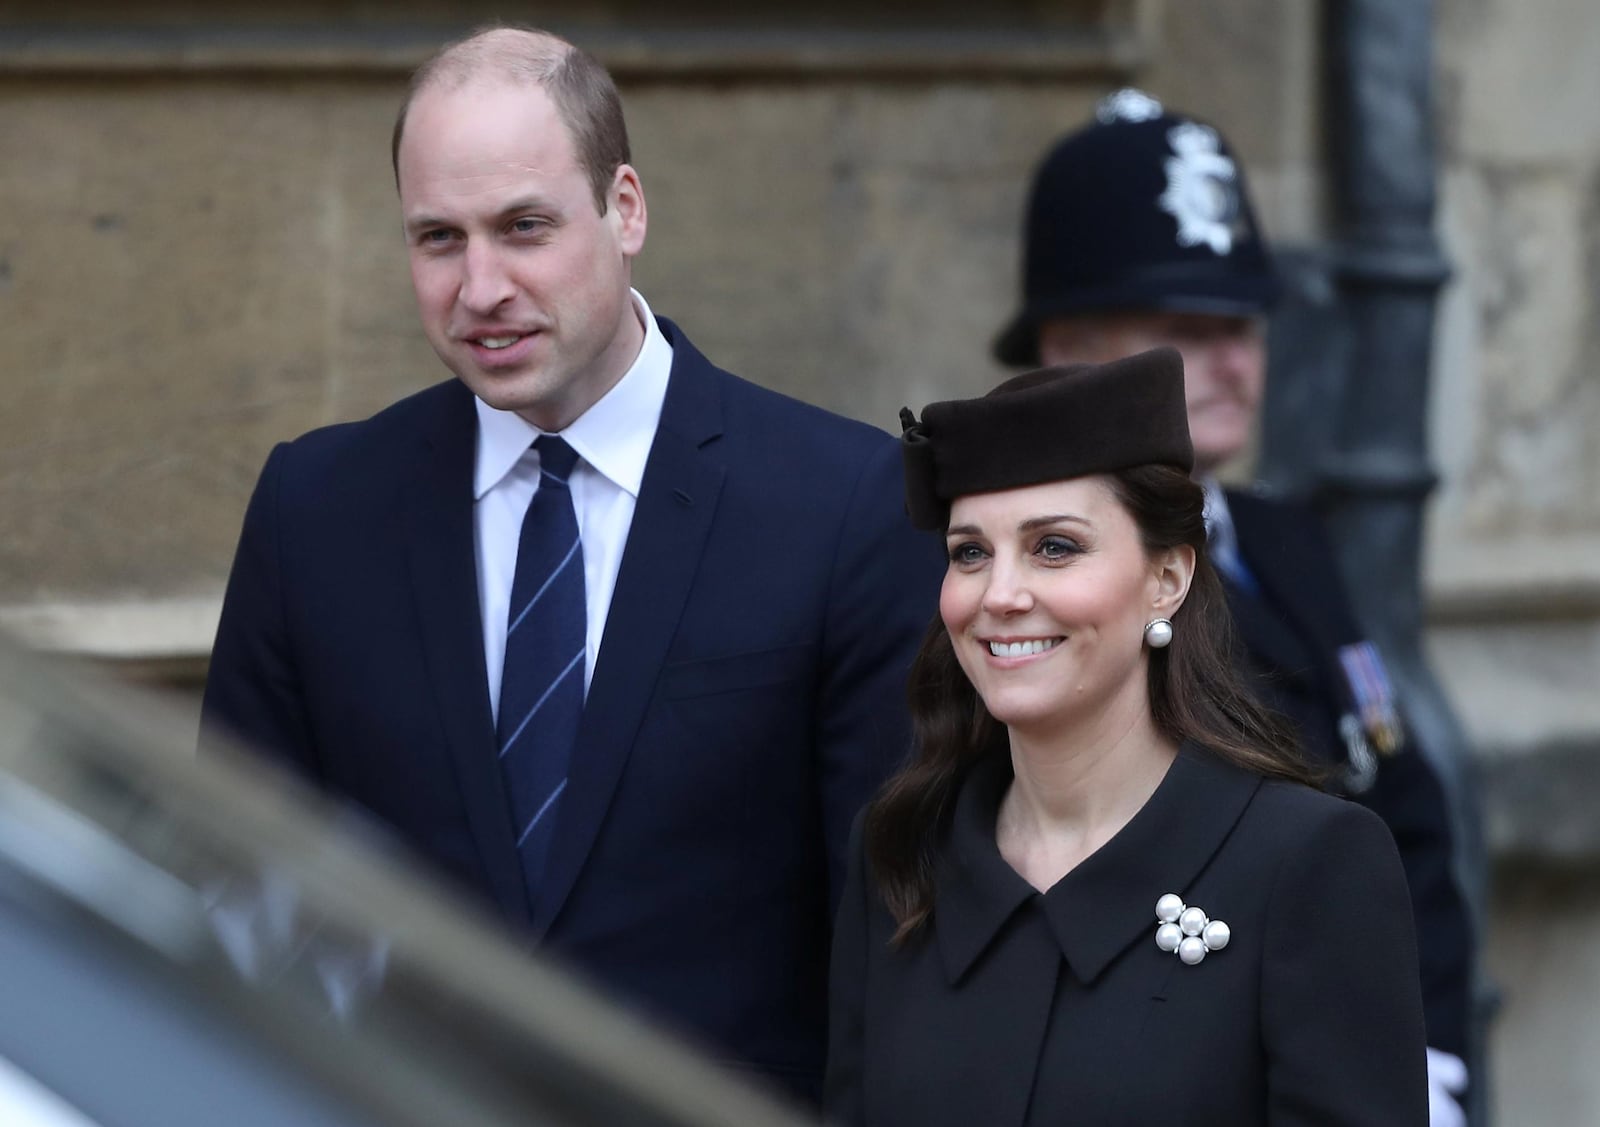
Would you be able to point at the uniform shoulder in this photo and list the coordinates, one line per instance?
(1269, 503)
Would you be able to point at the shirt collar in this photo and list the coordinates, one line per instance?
(1218, 517)
(1109, 900)
(613, 436)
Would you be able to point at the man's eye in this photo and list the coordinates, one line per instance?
(527, 226)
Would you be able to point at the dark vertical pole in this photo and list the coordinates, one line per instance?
(1387, 269)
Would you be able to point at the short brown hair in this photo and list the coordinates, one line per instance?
(582, 90)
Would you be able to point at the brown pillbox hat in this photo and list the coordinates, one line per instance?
(1047, 425)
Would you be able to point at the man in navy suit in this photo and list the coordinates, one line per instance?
(731, 571)
(1140, 233)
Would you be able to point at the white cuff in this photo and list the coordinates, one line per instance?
(1447, 1078)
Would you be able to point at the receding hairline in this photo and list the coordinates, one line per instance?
(508, 53)
(504, 53)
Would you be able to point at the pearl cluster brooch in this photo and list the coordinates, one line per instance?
(1187, 930)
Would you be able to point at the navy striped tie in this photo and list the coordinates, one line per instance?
(541, 687)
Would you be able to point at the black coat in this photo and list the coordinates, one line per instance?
(1015, 1008)
(1293, 625)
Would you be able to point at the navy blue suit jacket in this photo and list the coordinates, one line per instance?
(747, 699)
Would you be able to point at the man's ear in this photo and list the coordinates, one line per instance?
(1173, 571)
(626, 201)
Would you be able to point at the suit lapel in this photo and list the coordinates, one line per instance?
(677, 501)
(440, 553)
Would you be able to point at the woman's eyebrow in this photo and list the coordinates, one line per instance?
(1057, 518)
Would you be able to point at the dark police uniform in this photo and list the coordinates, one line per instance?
(1016, 1008)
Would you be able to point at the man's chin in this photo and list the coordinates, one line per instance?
(1222, 442)
(502, 392)
(1211, 453)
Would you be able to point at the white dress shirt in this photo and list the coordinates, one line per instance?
(612, 440)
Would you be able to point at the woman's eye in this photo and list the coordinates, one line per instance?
(1057, 548)
(966, 553)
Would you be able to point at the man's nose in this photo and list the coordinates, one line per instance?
(485, 282)
(1234, 351)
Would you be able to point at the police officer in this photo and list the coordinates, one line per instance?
(1140, 233)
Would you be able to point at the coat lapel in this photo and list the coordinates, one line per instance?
(440, 553)
(677, 501)
(1109, 901)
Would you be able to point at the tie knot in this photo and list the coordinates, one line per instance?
(556, 458)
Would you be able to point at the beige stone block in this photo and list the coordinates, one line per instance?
(1290, 202)
(191, 277)
(1517, 81)
(1521, 683)
(856, 247)
(1515, 396)
(1542, 955)
(145, 336)
(1249, 65)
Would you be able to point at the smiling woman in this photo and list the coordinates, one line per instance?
(1085, 752)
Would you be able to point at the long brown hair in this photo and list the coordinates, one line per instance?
(1196, 693)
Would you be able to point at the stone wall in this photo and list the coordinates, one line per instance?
(1514, 549)
(200, 256)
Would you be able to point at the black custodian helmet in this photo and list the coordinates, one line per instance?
(1140, 210)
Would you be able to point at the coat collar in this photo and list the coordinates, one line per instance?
(1109, 900)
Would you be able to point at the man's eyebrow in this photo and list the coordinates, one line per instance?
(424, 222)
(527, 203)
